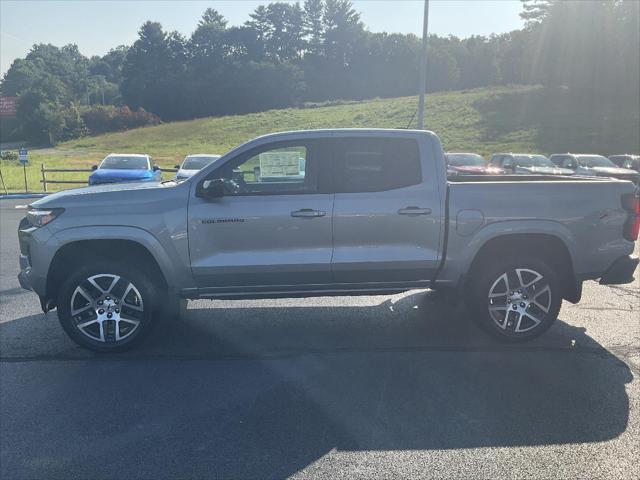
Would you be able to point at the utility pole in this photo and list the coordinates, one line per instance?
(423, 66)
(86, 82)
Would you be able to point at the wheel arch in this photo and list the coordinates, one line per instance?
(76, 252)
(546, 246)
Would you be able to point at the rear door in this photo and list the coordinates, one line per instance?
(273, 227)
(387, 210)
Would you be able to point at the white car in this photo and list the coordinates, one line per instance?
(193, 163)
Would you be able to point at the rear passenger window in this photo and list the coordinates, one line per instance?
(375, 164)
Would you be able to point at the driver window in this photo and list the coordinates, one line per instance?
(507, 162)
(285, 168)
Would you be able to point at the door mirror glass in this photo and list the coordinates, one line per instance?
(94, 167)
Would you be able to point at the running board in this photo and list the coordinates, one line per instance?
(253, 293)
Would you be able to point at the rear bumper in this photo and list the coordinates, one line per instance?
(621, 271)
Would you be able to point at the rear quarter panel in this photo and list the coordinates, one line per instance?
(586, 215)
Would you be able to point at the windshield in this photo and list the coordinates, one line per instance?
(197, 162)
(125, 163)
(594, 161)
(465, 160)
(532, 161)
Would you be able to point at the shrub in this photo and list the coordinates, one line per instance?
(9, 155)
(102, 119)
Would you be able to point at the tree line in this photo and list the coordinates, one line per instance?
(286, 54)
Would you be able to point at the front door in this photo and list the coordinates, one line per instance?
(273, 225)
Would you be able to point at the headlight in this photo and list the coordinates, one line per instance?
(39, 218)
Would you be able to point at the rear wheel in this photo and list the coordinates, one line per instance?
(107, 306)
(516, 299)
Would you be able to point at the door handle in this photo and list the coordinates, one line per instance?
(414, 211)
(308, 213)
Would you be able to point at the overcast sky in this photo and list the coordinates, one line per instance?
(96, 26)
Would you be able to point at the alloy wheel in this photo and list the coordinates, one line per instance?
(519, 300)
(107, 308)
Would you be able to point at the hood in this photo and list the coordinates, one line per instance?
(186, 173)
(468, 168)
(55, 199)
(105, 174)
(614, 172)
(473, 169)
(546, 170)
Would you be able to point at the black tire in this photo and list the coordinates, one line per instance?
(143, 295)
(175, 309)
(445, 296)
(519, 324)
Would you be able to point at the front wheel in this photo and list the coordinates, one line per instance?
(107, 306)
(516, 299)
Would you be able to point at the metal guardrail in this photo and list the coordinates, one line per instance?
(45, 181)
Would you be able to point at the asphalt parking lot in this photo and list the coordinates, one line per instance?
(397, 386)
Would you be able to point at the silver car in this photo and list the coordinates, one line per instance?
(194, 163)
(594, 166)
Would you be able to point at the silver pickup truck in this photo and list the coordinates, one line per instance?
(325, 212)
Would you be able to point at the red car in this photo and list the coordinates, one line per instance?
(469, 164)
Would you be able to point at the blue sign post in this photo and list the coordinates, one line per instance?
(23, 158)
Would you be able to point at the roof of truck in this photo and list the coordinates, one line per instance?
(321, 132)
(127, 155)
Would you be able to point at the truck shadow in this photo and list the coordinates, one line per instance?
(267, 390)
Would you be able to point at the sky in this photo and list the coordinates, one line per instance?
(97, 26)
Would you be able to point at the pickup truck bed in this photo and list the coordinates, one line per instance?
(575, 214)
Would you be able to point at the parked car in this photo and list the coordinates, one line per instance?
(523, 163)
(594, 166)
(469, 164)
(632, 162)
(379, 218)
(193, 163)
(125, 167)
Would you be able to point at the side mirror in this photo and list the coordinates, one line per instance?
(212, 188)
(156, 168)
(177, 167)
(94, 167)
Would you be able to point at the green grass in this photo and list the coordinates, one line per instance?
(523, 118)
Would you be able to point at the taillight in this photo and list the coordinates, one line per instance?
(631, 203)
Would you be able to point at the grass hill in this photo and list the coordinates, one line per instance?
(519, 118)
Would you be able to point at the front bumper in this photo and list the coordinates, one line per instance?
(621, 271)
(25, 273)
